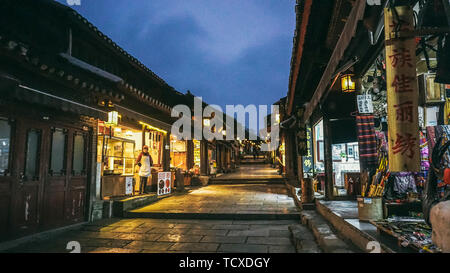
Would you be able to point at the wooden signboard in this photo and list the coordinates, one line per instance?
(307, 159)
(402, 90)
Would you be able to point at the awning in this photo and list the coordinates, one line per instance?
(143, 118)
(347, 34)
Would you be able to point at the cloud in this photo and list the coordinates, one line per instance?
(228, 52)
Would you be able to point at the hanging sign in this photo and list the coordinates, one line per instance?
(365, 105)
(307, 159)
(164, 183)
(301, 134)
(128, 185)
(402, 90)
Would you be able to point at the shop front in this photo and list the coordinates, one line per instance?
(45, 159)
(119, 145)
(180, 158)
(345, 158)
(212, 158)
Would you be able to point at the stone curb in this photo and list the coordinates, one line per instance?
(303, 239)
(358, 238)
(328, 241)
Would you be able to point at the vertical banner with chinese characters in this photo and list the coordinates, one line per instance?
(301, 133)
(307, 159)
(402, 89)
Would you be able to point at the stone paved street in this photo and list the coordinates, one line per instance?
(251, 172)
(253, 199)
(144, 235)
(172, 236)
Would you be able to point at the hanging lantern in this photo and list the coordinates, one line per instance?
(113, 118)
(348, 85)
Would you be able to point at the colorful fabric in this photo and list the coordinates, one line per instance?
(431, 137)
(424, 153)
(367, 141)
(381, 136)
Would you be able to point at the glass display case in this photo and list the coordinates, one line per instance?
(119, 155)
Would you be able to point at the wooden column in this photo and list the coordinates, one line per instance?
(204, 164)
(328, 160)
(402, 90)
(165, 152)
(189, 154)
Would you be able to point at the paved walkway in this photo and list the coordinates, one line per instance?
(245, 218)
(172, 236)
(256, 201)
(252, 172)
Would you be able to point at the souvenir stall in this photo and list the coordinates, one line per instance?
(401, 193)
(212, 160)
(197, 156)
(178, 153)
(179, 157)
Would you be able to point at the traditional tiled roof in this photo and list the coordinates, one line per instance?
(119, 50)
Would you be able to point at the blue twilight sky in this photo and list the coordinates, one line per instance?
(226, 51)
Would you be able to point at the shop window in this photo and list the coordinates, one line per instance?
(154, 143)
(178, 154)
(5, 139)
(197, 158)
(32, 154)
(79, 148)
(128, 154)
(58, 152)
(119, 156)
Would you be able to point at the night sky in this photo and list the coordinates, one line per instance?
(228, 52)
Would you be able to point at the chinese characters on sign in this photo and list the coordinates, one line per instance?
(402, 91)
(365, 105)
(308, 157)
(128, 185)
(301, 134)
(164, 183)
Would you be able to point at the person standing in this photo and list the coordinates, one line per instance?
(145, 163)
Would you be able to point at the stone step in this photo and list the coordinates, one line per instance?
(303, 239)
(213, 216)
(325, 236)
(120, 206)
(219, 181)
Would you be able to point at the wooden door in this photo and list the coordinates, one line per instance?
(76, 190)
(56, 179)
(66, 182)
(6, 174)
(31, 142)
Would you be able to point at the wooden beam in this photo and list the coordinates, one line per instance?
(349, 30)
(298, 56)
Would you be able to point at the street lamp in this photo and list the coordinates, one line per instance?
(347, 84)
